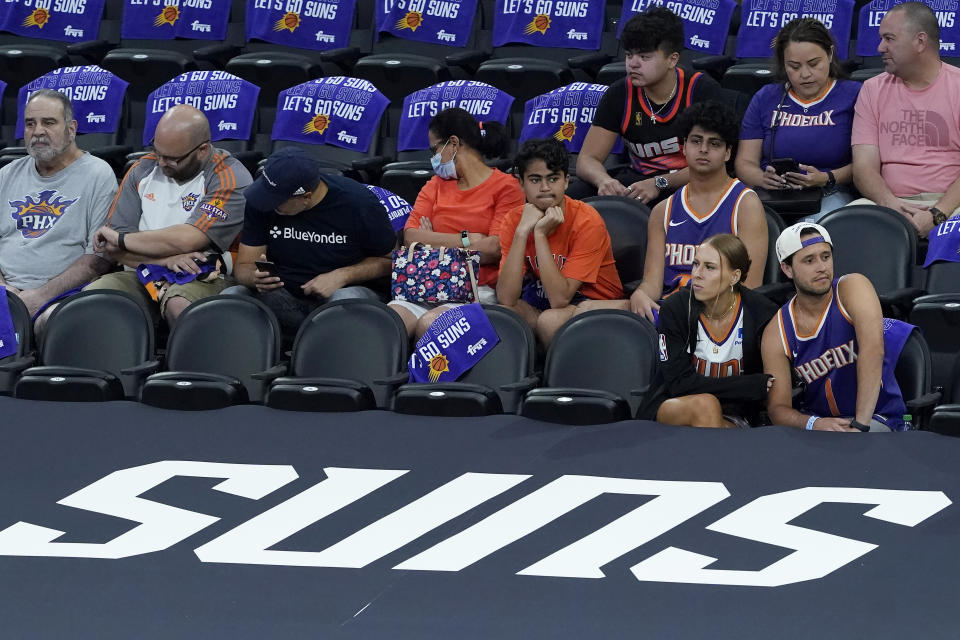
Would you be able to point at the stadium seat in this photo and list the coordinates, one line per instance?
(494, 385)
(12, 365)
(775, 226)
(406, 178)
(97, 346)
(748, 78)
(939, 318)
(915, 379)
(349, 355)
(946, 417)
(601, 367)
(887, 258)
(213, 352)
(626, 220)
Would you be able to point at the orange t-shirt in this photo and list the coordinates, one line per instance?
(580, 247)
(478, 210)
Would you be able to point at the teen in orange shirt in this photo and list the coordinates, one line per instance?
(556, 250)
(462, 205)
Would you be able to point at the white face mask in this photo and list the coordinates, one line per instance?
(444, 170)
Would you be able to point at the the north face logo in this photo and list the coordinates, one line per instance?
(35, 217)
(275, 232)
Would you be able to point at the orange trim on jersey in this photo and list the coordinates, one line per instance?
(228, 183)
(676, 100)
(735, 214)
(816, 98)
(113, 205)
(693, 81)
(713, 209)
(726, 332)
(843, 311)
(830, 399)
(628, 109)
(667, 212)
(783, 335)
(823, 316)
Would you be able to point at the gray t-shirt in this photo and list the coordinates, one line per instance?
(50, 220)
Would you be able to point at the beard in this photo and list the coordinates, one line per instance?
(48, 152)
(812, 291)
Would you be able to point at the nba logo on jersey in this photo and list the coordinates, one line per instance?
(663, 348)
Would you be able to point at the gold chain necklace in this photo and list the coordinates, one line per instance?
(646, 99)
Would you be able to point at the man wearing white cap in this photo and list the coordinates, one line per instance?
(831, 334)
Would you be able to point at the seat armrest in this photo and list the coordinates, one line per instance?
(899, 297)
(18, 365)
(272, 373)
(589, 62)
(469, 60)
(144, 368)
(716, 66)
(521, 385)
(343, 57)
(925, 401)
(92, 50)
(373, 163)
(216, 54)
(642, 391)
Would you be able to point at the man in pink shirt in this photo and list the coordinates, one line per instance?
(906, 127)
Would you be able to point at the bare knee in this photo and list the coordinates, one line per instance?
(173, 308)
(427, 319)
(550, 322)
(409, 320)
(700, 410)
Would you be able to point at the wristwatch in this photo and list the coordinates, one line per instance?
(859, 425)
(661, 182)
(831, 181)
(465, 238)
(939, 217)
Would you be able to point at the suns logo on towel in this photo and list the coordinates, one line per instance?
(540, 22)
(566, 132)
(290, 21)
(35, 217)
(413, 20)
(318, 124)
(38, 18)
(169, 15)
(438, 365)
(189, 201)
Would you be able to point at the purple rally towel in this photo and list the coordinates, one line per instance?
(96, 94)
(868, 32)
(484, 103)
(229, 102)
(445, 22)
(147, 273)
(167, 19)
(760, 23)
(564, 114)
(456, 341)
(66, 20)
(944, 242)
(575, 24)
(315, 24)
(341, 111)
(705, 22)
(8, 333)
(398, 209)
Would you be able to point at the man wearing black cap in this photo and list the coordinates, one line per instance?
(322, 236)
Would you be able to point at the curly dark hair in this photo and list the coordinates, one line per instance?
(488, 138)
(553, 153)
(714, 117)
(655, 28)
(805, 30)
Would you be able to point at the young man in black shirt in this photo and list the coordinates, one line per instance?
(643, 108)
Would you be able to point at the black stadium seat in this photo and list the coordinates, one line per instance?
(213, 352)
(494, 385)
(601, 367)
(946, 417)
(915, 379)
(626, 220)
(348, 355)
(97, 345)
(12, 365)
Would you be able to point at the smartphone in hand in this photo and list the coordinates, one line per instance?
(266, 266)
(784, 165)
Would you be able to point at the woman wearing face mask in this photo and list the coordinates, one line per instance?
(711, 328)
(461, 206)
(808, 118)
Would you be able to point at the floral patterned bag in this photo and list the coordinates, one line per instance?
(424, 274)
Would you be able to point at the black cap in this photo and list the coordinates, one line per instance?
(289, 172)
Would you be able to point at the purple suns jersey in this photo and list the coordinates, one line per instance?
(686, 228)
(826, 363)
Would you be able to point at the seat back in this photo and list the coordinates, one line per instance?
(103, 330)
(358, 340)
(939, 319)
(626, 220)
(889, 255)
(232, 336)
(511, 360)
(943, 277)
(913, 370)
(22, 324)
(775, 226)
(614, 351)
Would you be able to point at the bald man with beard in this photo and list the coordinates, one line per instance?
(176, 206)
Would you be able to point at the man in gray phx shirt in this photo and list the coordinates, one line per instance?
(55, 199)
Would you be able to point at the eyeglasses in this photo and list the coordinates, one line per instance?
(179, 159)
(435, 149)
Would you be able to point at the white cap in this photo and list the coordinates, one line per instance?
(789, 241)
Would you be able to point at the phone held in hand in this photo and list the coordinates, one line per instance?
(266, 266)
(783, 165)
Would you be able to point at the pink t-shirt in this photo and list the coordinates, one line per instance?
(917, 132)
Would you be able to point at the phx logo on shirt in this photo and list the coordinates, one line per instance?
(35, 217)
